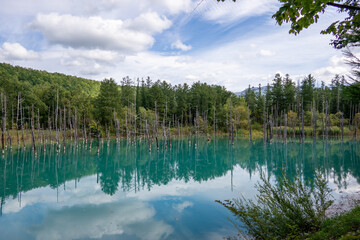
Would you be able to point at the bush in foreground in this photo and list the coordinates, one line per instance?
(288, 210)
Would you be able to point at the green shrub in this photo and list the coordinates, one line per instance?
(288, 210)
(346, 226)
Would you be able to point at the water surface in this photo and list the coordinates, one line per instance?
(125, 192)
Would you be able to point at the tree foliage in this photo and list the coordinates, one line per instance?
(290, 208)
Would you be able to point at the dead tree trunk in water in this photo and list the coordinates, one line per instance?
(64, 128)
(3, 121)
(350, 119)
(169, 134)
(32, 129)
(38, 124)
(323, 117)
(84, 128)
(285, 127)
(148, 135)
(156, 126)
(264, 125)
(56, 120)
(3, 99)
(117, 131)
(215, 119)
(70, 122)
(43, 138)
(342, 126)
(126, 125)
(17, 120)
(135, 133)
(327, 120)
(98, 137)
(249, 121)
(22, 123)
(314, 121)
(76, 129)
(302, 122)
(231, 125)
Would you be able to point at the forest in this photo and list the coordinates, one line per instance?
(51, 103)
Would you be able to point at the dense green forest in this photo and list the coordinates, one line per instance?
(41, 100)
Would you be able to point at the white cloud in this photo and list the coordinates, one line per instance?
(130, 217)
(181, 206)
(15, 51)
(149, 23)
(96, 32)
(228, 11)
(176, 6)
(336, 65)
(181, 46)
(96, 54)
(266, 53)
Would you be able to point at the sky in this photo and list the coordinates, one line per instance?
(229, 44)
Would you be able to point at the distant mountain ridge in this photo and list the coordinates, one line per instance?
(255, 89)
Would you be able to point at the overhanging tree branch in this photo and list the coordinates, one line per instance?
(343, 6)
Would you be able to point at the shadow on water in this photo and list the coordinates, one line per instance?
(129, 168)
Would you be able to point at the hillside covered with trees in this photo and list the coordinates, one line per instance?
(42, 100)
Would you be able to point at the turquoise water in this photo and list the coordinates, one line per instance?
(125, 192)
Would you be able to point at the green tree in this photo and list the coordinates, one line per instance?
(107, 101)
(307, 91)
(127, 91)
(278, 93)
(289, 91)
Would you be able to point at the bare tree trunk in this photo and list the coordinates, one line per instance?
(315, 121)
(76, 129)
(148, 135)
(49, 125)
(17, 120)
(4, 120)
(156, 127)
(285, 127)
(38, 124)
(90, 139)
(126, 125)
(293, 123)
(302, 121)
(56, 120)
(70, 123)
(350, 119)
(215, 119)
(32, 129)
(3, 128)
(60, 126)
(271, 127)
(249, 121)
(43, 138)
(98, 137)
(117, 131)
(231, 125)
(264, 125)
(135, 134)
(169, 133)
(327, 121)
(22, 123)
(342, 126)
(9, 139)
(323, 118)
(64, 128)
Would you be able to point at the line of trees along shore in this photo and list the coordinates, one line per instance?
(55, 107)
